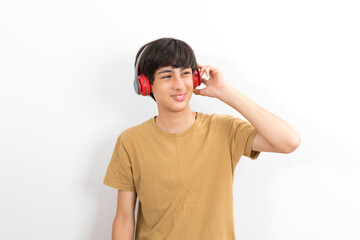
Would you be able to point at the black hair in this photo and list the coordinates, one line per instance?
(164, 52)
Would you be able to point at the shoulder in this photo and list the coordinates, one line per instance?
(223, 121)
(224, 118)
(217, 116)
(212, 116)
(134, 131)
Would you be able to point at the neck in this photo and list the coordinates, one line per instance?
(175, 122)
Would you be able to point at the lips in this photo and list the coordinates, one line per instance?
(179, 98)
(180, 94)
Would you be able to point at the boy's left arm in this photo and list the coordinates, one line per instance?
(274, 134)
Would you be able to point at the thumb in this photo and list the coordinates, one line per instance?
(197, 91)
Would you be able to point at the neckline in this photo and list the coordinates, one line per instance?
(173, 135)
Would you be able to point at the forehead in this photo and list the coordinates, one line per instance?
(169, 69)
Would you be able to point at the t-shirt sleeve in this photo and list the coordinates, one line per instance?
(242, 136)
(119, 172)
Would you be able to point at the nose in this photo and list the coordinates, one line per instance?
(179, 82)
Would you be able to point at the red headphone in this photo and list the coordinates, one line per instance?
(142, 85)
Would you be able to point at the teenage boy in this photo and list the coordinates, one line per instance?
(181, 163)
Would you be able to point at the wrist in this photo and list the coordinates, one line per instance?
(225, 92)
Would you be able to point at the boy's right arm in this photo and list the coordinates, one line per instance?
(124, 222)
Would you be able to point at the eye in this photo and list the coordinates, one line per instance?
(186, 73)
(167, 76)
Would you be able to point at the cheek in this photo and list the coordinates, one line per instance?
(189, 83)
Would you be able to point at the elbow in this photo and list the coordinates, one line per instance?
(293, 144)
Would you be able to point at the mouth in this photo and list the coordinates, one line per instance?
(179, 97)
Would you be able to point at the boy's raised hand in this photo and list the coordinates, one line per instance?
(214, 85)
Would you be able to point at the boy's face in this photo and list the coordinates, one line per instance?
(170, 81)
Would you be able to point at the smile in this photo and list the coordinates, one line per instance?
(180, 97)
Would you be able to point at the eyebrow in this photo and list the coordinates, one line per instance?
(168, 70)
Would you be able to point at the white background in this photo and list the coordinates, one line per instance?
(67, 69)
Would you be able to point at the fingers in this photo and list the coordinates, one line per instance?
(205, 69)
(201, 69)
(203, 80)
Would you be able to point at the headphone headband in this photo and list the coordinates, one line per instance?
(137, 64)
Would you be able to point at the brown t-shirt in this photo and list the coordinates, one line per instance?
(184, 181)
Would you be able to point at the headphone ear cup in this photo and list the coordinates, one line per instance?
(196, 78)
(145, 87)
